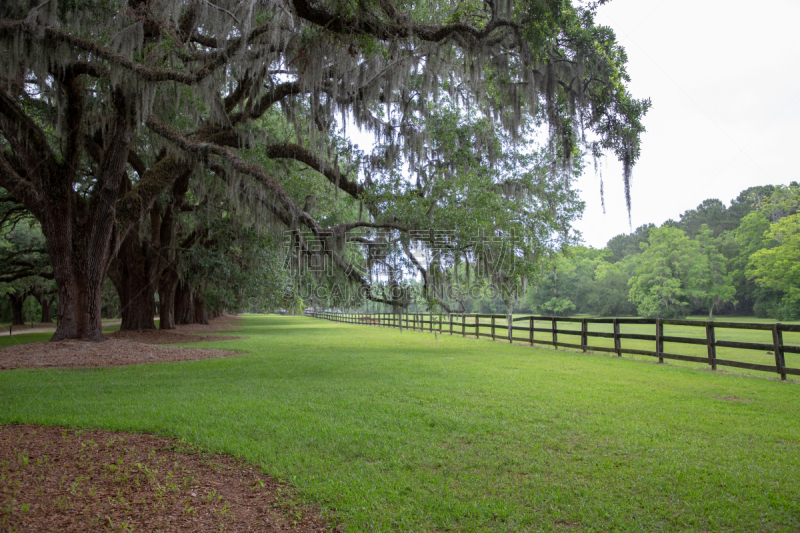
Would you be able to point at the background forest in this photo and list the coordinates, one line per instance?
(740, 259)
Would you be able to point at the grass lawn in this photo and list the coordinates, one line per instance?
(415, 432)
(727, 334)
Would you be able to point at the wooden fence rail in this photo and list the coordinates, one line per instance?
(487, 326)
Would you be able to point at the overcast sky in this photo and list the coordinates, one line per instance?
(724, 81)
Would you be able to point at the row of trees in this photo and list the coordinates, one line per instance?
(741, 259)
(211, 260)
(159, 143)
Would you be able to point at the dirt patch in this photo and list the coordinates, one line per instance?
(732, 399)
(56, 479)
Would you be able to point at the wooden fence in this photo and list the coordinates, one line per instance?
(498, 327)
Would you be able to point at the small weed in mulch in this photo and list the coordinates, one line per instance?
(57, 479)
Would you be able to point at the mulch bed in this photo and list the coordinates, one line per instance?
(57, 479)
(157, 336)
(121, 348)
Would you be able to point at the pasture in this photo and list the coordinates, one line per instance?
(406, 431)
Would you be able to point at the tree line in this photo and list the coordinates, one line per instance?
(740, 259)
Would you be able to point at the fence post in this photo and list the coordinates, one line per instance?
(617, 343)
(711, 344)
(450, 315)
(477, 327)
(555, 333)
(584, 336)
(659, 340)
(531, 329)
(510, 323)
(777, 341)
(492, 327)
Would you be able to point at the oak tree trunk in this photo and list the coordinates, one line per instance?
(184, 308)
(17, 301)
(168, 281)
(166, 297)
(200, 315)
(46, 302)
(134, 274)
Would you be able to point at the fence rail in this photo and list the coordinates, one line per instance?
(490, 326)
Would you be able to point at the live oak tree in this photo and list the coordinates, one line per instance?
(106, 105)
(25, 269)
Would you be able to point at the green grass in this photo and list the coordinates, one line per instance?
(391, 431)
(727, 334)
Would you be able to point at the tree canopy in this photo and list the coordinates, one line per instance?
(108, 108)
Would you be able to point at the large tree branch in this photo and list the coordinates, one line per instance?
(206, 148)
(27, 139)
(396, 27)
(298, 153)
(150, 186)
(278, 93)
(51, 37)
(137, 163)
(21, 189)
(8, 277)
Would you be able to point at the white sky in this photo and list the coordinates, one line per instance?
(724, 81)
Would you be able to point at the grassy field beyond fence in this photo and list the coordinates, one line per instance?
(406, 431)
(684, 342)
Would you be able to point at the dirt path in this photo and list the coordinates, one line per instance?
(20, 330)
